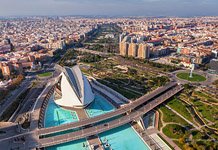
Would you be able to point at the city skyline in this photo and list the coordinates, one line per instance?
(98, 82)
(184, 8)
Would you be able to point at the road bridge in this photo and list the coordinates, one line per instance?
(117, 112)
(131, 116)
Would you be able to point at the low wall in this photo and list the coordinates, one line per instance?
(111, 91)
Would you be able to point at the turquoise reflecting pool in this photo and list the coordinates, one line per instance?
(99, 106)
(121, 138)
(55, 115)
(74, 145)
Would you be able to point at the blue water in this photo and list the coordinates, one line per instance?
(74, 145)
(55, 115)
(99, 106)
(121, 138)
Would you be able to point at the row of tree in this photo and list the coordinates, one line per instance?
(15, 82)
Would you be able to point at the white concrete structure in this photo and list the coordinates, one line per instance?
(75, 89)
(160, 142)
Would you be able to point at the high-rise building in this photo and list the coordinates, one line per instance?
(135, 47)
(143, 51)
(124, 46)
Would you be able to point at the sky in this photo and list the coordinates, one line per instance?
(109, 7)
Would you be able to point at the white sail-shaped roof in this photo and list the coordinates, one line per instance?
(75, 88)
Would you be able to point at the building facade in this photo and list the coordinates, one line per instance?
(73, 89)
(132, 47)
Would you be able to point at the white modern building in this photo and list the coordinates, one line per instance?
(73, 89)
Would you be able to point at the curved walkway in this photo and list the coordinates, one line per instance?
(182, 117)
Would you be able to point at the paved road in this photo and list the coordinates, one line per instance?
(27, 102)
(101, 128)
(103, 44)
(210, 77)
(86, 132)
(94, 52)
(14, 95)
(109, 115)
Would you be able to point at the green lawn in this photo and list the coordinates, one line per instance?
(195, 78)
(178, 132)
(174, 131)
(198, 135)
(206, 97)
(45, 74)
(201, 94)
(178, 144)
(126, 93)
(169, 116)
(207, 111)
(181, 108)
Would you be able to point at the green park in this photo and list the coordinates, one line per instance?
(45, 74)
(195, 77)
